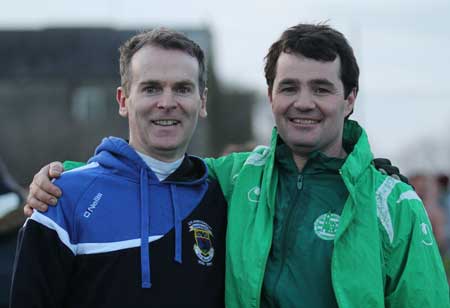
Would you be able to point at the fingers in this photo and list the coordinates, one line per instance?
(381, 162)
(396, 176)
(42, 181)
(33, 203)
(27, 210)
(393, 172)
(404, 179)
(42, 191)
(382, 171)
(390, 170)
(55, 169)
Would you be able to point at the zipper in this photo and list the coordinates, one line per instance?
(286, 228)
(299, 182)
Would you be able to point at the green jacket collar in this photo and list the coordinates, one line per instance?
(354, 138)
(360, 158)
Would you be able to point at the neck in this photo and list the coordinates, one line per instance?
(160, 168)
(164, 156)
(153, 159)
(301, 159)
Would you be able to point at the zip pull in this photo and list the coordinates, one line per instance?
(300, 182)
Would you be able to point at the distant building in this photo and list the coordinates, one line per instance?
(57, 90)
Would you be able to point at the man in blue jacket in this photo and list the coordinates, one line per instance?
(135, 223)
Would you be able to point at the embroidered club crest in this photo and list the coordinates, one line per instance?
(326, 226)
(203, 246)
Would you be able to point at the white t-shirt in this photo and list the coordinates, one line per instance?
(161, 169)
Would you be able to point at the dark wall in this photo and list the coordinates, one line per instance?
(57, 90)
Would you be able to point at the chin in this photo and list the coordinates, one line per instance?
(302, 146)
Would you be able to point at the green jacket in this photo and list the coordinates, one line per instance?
(308, 207)
(384, 252)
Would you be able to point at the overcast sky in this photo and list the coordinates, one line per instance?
(403, 48)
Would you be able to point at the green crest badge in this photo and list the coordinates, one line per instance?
(326, 226)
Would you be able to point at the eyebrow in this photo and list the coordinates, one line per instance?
(158, 82)
(185, 82)
(322, 82)
(288, 81)
(149, 83)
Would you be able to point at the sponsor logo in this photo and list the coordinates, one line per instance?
(203, 247)
(427, 238)
(253, 194)
(326, 226)
(90, 210)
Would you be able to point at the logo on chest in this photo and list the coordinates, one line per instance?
(203, 247)
(326, 226)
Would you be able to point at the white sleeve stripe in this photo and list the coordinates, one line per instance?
(62, 234)
(91, 248)
(88, 248)
(383, 213)
(409, 195)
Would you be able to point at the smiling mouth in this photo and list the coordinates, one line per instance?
(303, 121)
(165, 122)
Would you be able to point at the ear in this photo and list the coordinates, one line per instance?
(350, 103)
(122, 101)
(203, 98)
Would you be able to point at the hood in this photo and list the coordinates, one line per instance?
(116, 155)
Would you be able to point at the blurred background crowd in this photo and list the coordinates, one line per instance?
(59, 71)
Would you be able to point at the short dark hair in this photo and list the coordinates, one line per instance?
(162, 38)
(319, 42)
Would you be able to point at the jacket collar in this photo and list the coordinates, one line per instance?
(355, 141)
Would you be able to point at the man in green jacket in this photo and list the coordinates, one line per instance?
(311, 222)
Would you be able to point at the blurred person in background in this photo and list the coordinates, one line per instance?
(444, 202)
(427, 187)
(12, 197)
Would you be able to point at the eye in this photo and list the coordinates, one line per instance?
(183, 89)
(321, 91)
(288, 90)
(151, 89)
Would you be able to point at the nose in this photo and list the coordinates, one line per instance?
(167, 101)
(304, 100)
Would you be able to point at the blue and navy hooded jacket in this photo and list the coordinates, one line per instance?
(119, 237)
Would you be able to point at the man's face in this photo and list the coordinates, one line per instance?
(164, 102)
(308, 104)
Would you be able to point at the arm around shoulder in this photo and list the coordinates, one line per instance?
(226, 169)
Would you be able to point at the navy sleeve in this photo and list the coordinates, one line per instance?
(47, 248)
(42, 268)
